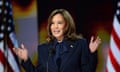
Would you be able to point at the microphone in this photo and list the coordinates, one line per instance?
(51, 52)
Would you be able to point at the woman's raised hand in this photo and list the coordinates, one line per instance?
(21, 52)
(93, 45)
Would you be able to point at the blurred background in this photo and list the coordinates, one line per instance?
(92, 17)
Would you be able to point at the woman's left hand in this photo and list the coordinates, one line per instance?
(93, 45)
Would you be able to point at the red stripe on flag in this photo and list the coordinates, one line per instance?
(116, 39)
(4, 61)
(106, 70)
(10, 45)
(114, 62)
(2, 58)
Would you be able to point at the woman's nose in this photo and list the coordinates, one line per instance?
(56, 25)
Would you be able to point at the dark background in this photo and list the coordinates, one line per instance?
(88, 14)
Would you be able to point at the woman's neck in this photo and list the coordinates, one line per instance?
(59, 40)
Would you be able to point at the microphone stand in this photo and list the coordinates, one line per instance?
(47, 65)
(51, 52)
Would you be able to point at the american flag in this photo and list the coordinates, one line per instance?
(113, 60)
(8, 60)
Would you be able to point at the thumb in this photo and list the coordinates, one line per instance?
(14, 49)
(91, 40)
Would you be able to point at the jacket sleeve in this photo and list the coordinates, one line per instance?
(88, 59)
(85, 66)
(29, 67)
(93, 61)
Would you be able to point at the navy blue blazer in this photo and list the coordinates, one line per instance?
(77, 59)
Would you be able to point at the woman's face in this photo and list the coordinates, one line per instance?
(57, 26)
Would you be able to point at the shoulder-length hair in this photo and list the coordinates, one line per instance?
(70, 29)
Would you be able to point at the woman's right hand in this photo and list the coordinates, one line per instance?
(21, 52)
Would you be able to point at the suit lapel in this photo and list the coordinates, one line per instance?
(71, 47)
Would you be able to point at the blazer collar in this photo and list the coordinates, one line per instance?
(70, 45)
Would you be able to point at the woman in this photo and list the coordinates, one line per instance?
(64, 51)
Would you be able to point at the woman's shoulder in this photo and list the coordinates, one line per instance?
(43, 45)
(80, 40)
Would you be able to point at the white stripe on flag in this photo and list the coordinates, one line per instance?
(13, 39)
(1, 46)
(116, 26)
(115, 50)
(1, 67)
(109, 65)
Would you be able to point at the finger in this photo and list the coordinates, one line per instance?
(91, 40)
(22, 46)
(98, 40)
(20, 52)
(14, 49)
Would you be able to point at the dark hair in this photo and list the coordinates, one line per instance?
(70, 30)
